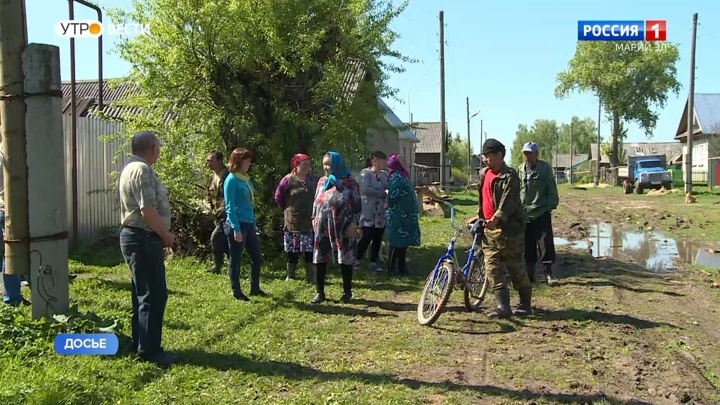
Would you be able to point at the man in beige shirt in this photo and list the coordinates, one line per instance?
(216, 201)
(145, 218)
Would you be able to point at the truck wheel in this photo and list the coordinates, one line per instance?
(638, 188)
(667, 186)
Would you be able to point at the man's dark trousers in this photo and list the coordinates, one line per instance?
(143, 252)
(220, 248)
(539, 236)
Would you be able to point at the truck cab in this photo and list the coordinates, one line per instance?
(647, 172)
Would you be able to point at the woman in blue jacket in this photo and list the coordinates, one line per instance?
(240, 227)
(403, 227)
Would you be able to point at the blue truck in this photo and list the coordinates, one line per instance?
(645, 172)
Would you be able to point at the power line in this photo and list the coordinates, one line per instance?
(709, 33)
(424, 74)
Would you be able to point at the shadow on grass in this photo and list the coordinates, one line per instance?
(125, 286)
(394, 287)
(469, 330)
(597, 316)
(623, 287)
(388, 306)
(329, 309)
(297, 372)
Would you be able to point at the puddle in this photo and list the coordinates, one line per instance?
(652, 249)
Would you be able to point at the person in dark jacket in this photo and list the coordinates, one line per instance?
(295, 195)
(216, 201)
(504, 235)
(539, 195)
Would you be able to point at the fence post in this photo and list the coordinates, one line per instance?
(712, 163)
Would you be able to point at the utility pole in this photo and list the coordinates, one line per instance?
(599, 153)
(691, 110)
(443, 144)
(467, 109)
(571, 153)
(557, 152)
(481, 135)
(13, 39)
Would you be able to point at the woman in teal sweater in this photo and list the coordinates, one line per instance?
(240, 227)
(402, 215)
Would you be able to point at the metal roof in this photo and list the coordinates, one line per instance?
(403, 129)
(113, 89)
(354, 75)
(120, 89)
(430, 135)
(563, 159)
(669, 149)
(707, 116)
(86, 97)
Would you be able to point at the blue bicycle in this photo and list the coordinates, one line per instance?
(447, 275)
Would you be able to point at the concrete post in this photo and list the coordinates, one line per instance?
(46, 181)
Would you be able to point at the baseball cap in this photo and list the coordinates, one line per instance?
(530, 147)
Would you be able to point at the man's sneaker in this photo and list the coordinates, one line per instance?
(376, 267)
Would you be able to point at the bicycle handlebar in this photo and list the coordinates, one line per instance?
(479, 223)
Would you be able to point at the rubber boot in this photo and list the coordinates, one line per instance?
(290, 271)
(530, 269)
(347, 273)
(309, 273)
(551, 281)
(502, 297)
(524, 309)
(320, 283)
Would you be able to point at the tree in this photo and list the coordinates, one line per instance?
(628, 80)
(545, 133)
(584, 134)
(278, 77)
(458, 154)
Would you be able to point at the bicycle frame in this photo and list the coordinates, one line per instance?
(450, 252)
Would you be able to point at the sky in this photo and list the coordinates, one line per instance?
(504, 55)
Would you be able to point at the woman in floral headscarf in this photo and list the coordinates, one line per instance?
(336, 213)
(295, 195)
(403, 229)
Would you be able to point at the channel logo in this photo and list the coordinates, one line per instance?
(78, 29)
(94, 29)
(639, 30)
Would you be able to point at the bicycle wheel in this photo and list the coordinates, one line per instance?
(436, 293)
(476, 286)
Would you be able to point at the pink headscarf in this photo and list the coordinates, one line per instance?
(395, 165)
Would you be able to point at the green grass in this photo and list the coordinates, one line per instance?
(281, 349)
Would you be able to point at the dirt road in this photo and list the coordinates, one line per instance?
(631, 322)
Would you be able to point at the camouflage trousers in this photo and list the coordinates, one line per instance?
(504, 256)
